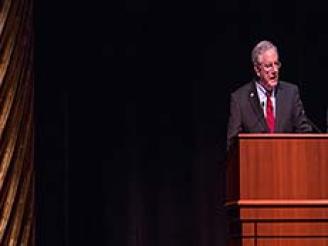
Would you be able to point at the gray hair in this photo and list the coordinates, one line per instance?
(260, 48)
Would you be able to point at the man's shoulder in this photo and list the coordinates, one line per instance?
(244, 88)
(251, 85)
(287, 86)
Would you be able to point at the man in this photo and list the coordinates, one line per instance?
(266, 105)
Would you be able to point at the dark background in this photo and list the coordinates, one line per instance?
(132, 101)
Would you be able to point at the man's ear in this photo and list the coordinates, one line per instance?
(257, 70)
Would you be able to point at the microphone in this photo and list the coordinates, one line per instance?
(259, 119)
(262, 105)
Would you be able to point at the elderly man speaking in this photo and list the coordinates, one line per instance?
(266, 104)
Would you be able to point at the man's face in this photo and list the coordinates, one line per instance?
(267, 68)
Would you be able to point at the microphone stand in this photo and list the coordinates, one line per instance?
(327, 119)
(314, 126)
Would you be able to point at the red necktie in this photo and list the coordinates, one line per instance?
(269, 112)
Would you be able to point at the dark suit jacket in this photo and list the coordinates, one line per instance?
(246, 114)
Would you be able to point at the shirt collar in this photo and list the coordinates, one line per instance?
(261, 88)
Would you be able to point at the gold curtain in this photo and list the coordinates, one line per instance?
(17, 220)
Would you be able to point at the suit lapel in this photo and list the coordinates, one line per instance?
(256, 106)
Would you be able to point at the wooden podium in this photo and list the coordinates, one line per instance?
(277, 190)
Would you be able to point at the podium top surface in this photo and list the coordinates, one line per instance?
(283, 135)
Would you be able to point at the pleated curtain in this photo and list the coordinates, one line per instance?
(17, 178)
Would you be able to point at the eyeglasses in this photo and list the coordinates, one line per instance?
(270, 66)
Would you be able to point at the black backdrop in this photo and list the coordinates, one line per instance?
(132, 105)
